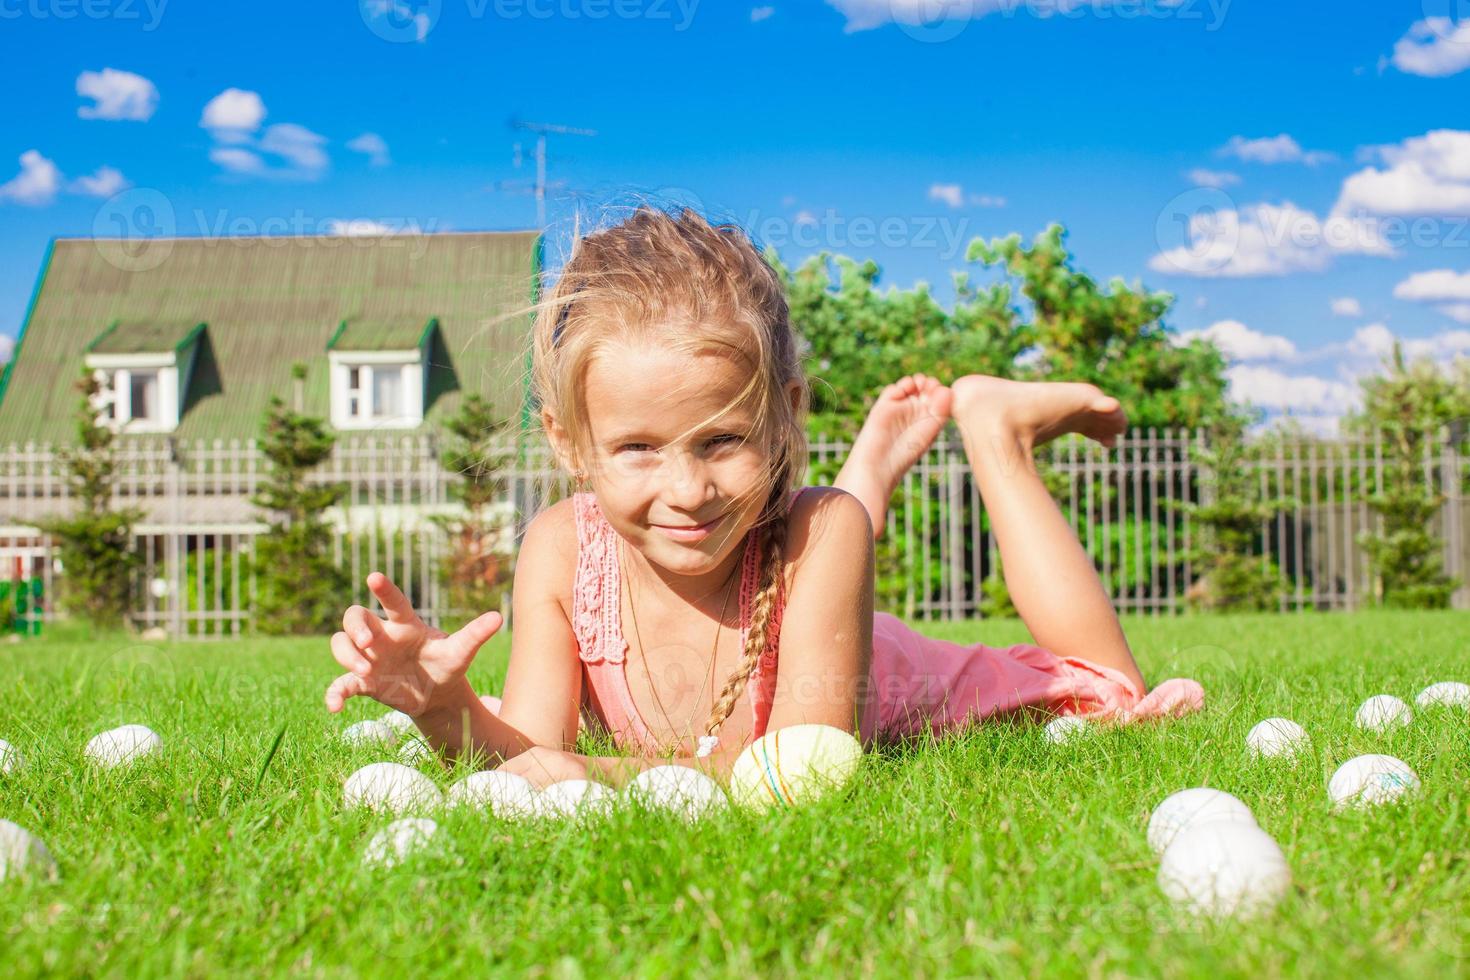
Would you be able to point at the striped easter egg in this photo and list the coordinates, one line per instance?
(794, 765)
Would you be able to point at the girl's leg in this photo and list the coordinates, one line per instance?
(900, 428)
(1050, 577)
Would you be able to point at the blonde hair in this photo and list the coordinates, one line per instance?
(677, 282)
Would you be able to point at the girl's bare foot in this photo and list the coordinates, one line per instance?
(1037, 411)
(901, 426)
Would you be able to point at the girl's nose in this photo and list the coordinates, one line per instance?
(688, 482)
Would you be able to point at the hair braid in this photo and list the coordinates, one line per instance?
(773, 542)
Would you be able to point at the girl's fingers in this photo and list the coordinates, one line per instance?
(395, 603)
(473, 634)
(344, 687)
(362, 627)
(348, 655)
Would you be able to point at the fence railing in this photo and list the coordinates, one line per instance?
(197, 537)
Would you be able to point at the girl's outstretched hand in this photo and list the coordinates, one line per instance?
(402, 661)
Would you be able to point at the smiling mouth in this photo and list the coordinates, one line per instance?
(689, 527)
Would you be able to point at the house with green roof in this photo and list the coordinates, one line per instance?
(192, 336)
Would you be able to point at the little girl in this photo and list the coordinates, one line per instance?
(691, 577)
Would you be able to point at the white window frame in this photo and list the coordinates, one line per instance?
(115, 373)
(409, 364)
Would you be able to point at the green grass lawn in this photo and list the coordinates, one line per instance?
(990, 852)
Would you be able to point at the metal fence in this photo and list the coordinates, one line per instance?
(197, 537)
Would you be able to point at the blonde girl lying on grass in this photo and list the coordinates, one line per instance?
(691, 595)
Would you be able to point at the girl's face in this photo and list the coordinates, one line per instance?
(654, 472)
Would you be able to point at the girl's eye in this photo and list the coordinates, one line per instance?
(730, 438)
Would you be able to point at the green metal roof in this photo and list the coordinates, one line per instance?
(398, 333)
(269, 302)
(145, 337)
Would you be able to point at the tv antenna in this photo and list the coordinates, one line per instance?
(541, 130)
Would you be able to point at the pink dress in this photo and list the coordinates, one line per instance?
(919, 681)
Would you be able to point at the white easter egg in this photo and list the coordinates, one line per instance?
(574, 797)
(1065, 728)
(1277, 737)
(399, 722)
(1382, 711)
(794, 765)
(1445, 694)
(1224, 868)
(1368, 780)
(10, 758)
(22, 854)
(369, 733)
(414, 750)
(396, 842)
(504, 794)
(1190, 808)
(123, 746)
(679, 789)
(391, 787)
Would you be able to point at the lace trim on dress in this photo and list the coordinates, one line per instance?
(594, 618)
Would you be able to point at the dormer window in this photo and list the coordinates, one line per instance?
(377, 369)
(143, 370)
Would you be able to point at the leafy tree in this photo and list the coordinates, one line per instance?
(476, 572)
(96, 544)
(1233, 577)
(861, 337)
(1113, 338)
(300, 590)
(1409, 405)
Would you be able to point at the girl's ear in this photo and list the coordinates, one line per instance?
(793, 392)
(561, 444)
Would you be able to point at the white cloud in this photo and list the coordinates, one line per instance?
(234, 116)
(359, 228)
(105, 182)
(235, 112)
(1373, 341)
(1202, 177)
(954, 195)
(1267, 240)
(36, 184)
(238, 160)
(1425, 175)
(1269, 388)
(116, 95)
(951, 194)
(373, 146)
(1346, 306)
(758, 14)
(1273, 149)
(863, 15)
(297, 144)
(1459, 312)
(1448, 290)
(1435, 286)
(7, 346)
(1435, 46)
(805, 217)
(1240, 343)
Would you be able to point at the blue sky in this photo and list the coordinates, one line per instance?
(1297, 176)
